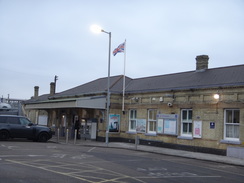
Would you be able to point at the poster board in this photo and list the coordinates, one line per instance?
(167, 124)
(141, 125)
(42, 120)
(170, 126)
(114, 122)
(160, 125)
(197, 129)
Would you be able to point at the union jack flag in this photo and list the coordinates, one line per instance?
(119, 49)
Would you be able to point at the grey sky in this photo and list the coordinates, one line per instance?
(43, 38)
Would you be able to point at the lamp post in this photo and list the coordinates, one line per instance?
(97, 29)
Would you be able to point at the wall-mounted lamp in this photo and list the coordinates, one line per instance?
(216, 96)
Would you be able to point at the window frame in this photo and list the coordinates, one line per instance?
(154, 121)
(188, 121)
(132, 118)
(231, 123)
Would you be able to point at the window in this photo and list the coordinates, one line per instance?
(13, 120)
(132, 120)
(3, 119)
(24, 121)
(232, 124)
(152, 121)
(186, 122)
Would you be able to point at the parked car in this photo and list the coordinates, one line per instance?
(4, 106)
(21, 127)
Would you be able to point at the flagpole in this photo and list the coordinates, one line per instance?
(123, 102)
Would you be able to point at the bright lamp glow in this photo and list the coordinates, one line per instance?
(216, 96)
(96, 29)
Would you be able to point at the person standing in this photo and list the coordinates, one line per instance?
(77, 128)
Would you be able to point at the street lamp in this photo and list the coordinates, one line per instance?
(97, 29)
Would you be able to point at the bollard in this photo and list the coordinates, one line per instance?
(136, 141)
(75, 136)
(58, 136)
(67, 136)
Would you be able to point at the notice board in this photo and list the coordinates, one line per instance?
(197, 129)
(167, 124)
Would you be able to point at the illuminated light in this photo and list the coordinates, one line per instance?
(216, 96)
(96, 29)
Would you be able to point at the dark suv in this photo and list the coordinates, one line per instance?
(21, 127)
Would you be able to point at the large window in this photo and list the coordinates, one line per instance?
(132, 120)
(186, 122)
(152, 121)
(232, 124)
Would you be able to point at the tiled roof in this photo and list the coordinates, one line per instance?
(217, 77)
(96, 86)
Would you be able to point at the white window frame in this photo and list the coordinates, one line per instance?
(233, 124)
(187, 121)
(152, 121)
(132, 119)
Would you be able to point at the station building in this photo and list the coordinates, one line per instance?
(200, 110)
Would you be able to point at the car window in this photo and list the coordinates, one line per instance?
(13, 120)
(3, 119)
(24, 121)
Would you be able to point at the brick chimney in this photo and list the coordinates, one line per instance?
(36, 91)
(52, 88)
(202, 62)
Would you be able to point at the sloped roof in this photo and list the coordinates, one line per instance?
(96, 86)
(37, 99)
(209, 78)
(217, 77)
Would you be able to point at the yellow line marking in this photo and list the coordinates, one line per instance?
(94, 169)
(16, 162)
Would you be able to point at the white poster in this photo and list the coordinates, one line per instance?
(197, 129)
(141, 125)
(167, 124)
(160, 125)
(170, 126)
(42, 120)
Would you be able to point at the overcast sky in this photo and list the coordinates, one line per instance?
(43, 38)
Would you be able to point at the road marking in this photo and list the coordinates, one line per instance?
(91, 149)
(58, 155)
(7, 156)
(32, 155)
(198, 176)
(12, 147)
(73, 176)
(82, 156)
(151, 169)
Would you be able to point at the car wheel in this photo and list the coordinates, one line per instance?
(4, 135)
(43, 137)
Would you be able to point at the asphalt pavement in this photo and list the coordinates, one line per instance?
(152, 149)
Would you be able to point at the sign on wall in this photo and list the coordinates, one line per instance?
(141, 125)
(167, 124)
(197, 129)
(212, 125)
(42, 120)
(114, 122)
